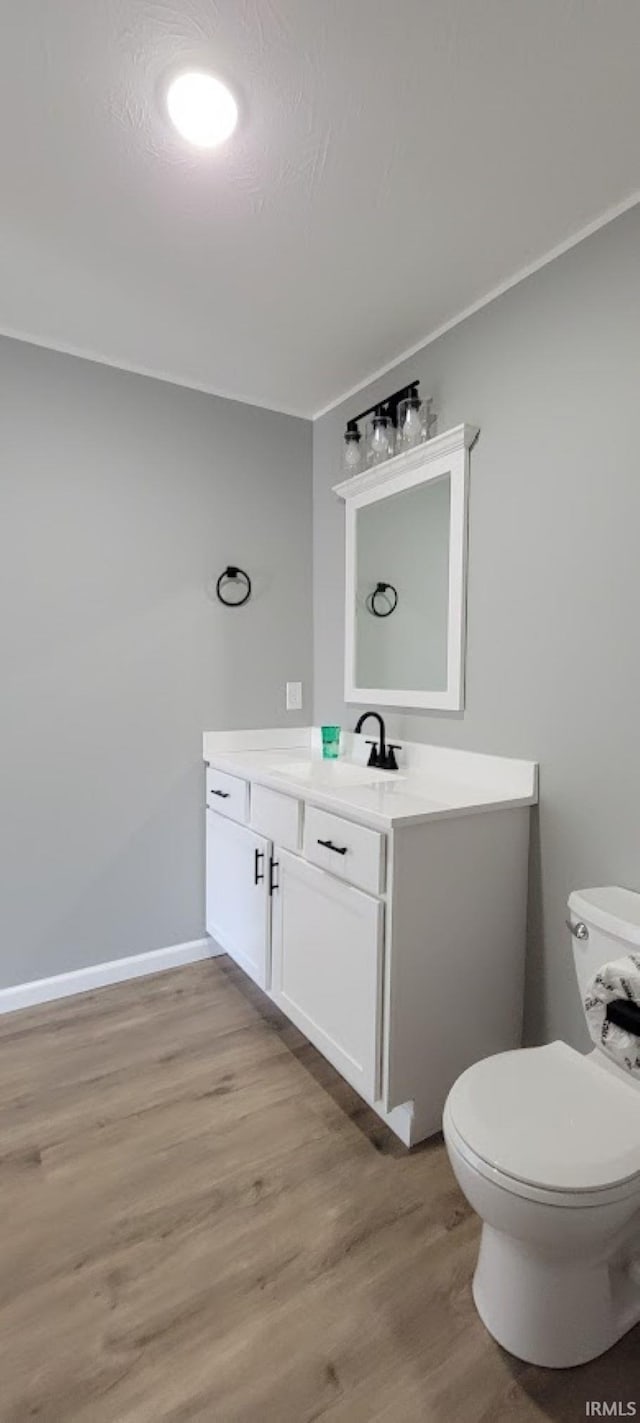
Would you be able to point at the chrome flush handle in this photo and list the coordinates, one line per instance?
(578, 930)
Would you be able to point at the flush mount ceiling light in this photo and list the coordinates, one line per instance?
(203, 110)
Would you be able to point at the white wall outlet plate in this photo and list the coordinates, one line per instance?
(294, 696)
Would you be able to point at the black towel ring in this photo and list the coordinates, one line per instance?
(388, 594)
(237, 578)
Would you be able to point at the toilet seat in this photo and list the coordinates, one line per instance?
(548, 1124)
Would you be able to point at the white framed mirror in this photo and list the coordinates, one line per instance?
(406, 555)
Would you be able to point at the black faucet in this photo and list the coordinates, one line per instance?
(383, 754)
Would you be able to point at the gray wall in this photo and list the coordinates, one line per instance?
(551, 373)
(120, 497)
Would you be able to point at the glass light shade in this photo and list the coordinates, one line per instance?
(381, 440)
(410, 427)
(352, 460)
(429, 419)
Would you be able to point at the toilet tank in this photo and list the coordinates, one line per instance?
(611, 917)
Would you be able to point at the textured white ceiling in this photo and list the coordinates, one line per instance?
(395, 161)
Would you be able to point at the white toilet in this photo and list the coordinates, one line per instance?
(545, 1144)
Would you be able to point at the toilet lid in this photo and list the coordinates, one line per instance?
(550, 1118)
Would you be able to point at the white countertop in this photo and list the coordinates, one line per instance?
(432, 782)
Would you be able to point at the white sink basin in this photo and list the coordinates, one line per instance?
(333, 773)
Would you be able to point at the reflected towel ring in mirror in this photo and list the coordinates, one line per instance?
(383, 601)
(234, 579)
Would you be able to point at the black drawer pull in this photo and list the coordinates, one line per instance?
(273, 884)
(224, 795)
(258, 855)
(337, 849)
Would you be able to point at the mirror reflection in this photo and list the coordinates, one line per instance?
(402, 589)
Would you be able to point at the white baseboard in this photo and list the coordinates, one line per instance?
(83, 980)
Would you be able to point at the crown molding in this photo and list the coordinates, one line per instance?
(173, 378)
(65, 348)
(610, 215)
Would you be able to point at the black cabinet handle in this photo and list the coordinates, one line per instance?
(258, 855)
(337, 849)
(273, 865)
(224, 795)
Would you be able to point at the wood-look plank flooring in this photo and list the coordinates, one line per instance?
(200, 1221)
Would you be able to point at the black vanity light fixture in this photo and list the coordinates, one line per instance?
(235, 582)
(383, 425)
(392, 428)
(384, 408)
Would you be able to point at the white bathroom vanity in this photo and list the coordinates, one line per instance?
(384, 912)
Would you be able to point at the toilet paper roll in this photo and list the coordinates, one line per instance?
(615, 980)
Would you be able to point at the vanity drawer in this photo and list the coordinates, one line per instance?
(229, 795)
(353, 852)
(277, 817)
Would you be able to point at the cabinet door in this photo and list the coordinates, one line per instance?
(238, 905)
(327, 967)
